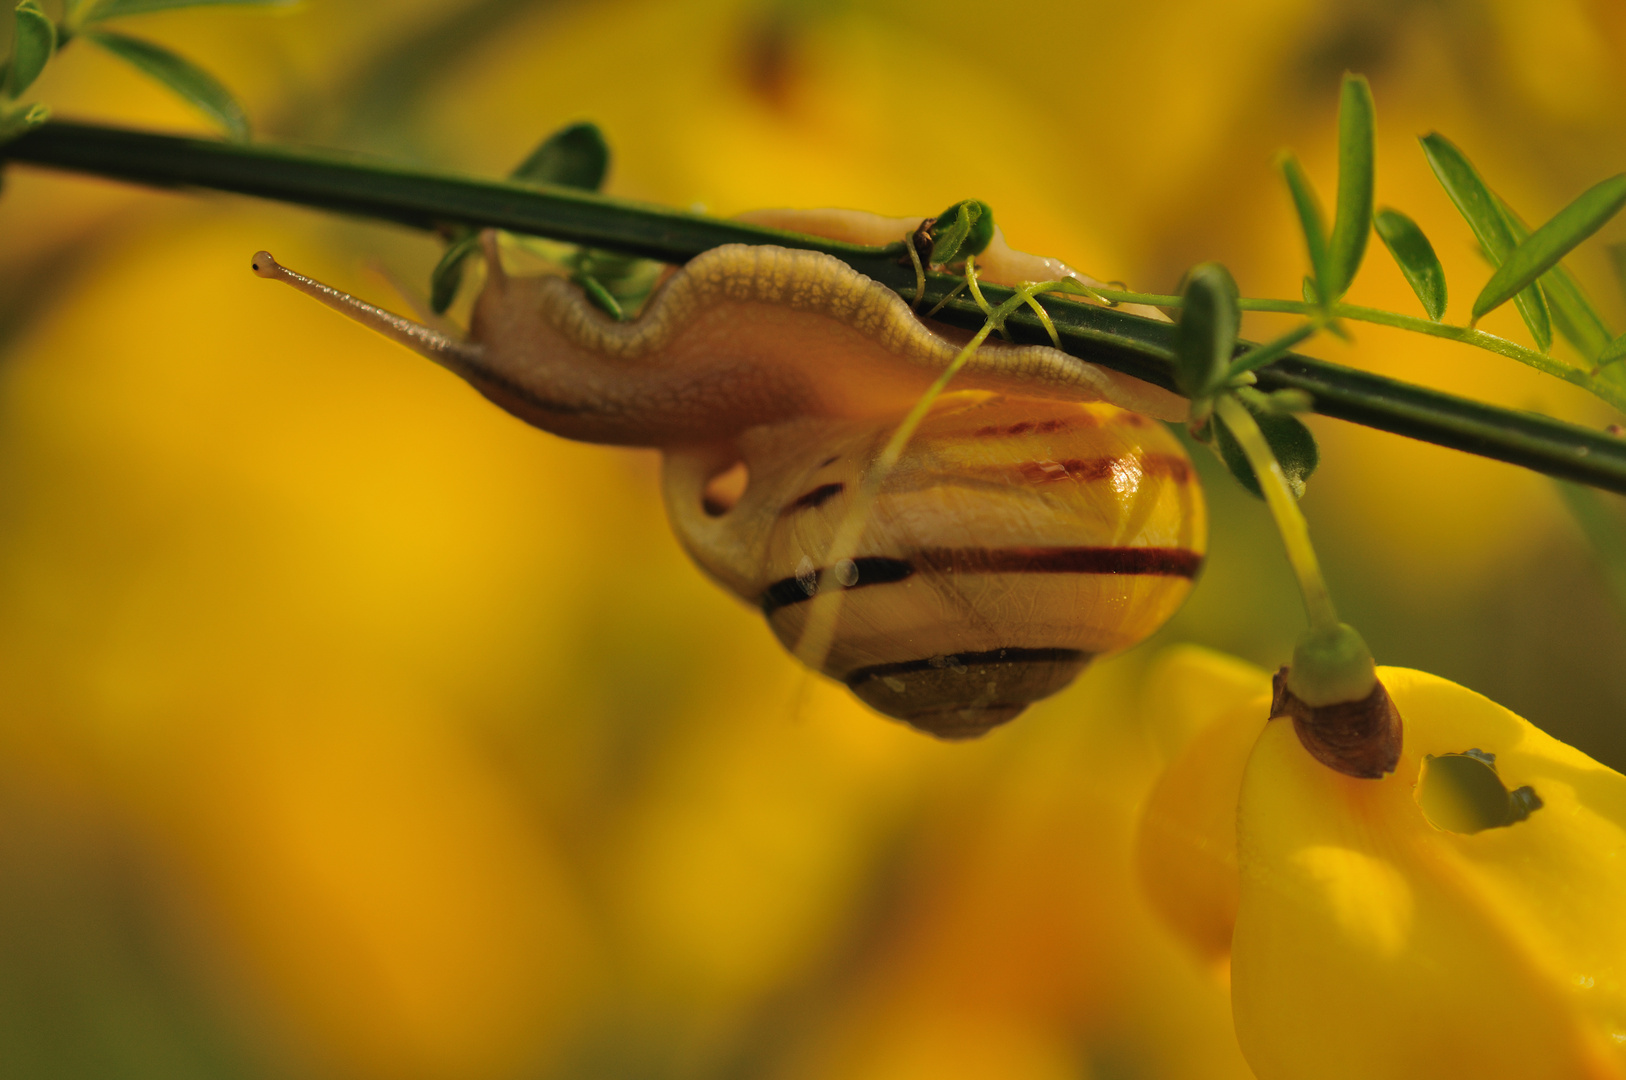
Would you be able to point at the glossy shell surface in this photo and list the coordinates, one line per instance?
(1017, 539)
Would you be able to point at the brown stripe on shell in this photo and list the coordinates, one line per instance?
(867, 570)
(1151, 561)
(817, 497)
(1037, 427)
(884, 570)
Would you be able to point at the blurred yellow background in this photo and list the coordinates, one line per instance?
(350, 728)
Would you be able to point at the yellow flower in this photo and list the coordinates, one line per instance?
(1461, 916)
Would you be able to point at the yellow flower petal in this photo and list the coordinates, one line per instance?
(1185, 850)
(1371, 943)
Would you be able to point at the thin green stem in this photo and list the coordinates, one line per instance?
(1284, 508)
(1260, 355)
(1466, 335)
(1112, 338)
(920, 273)
(819, 631)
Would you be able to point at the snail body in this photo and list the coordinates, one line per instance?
(1036, 519)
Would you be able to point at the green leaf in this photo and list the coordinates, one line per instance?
(201, 89)
(1309, 210)
(1482, 211)
(1295, 448)
(599, 295)
(1543, 248)
(33, 41)
(1613, 353)
(1617, 260)
(97, 10)
(966, 228)
(19, 119)
(1205, 337)
(1537, 316)
(576, 156)
(1573, 313)
(1356, 165)
(447, 275)
(1415, 256)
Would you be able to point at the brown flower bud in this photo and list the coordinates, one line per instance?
(1357, 738)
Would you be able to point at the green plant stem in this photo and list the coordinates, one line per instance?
(817, 634)
(1466, 335)
(1284, 508)
(1260, 355)
(1112, 338)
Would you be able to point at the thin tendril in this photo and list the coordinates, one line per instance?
(1295, 531)
(920, 273)
(976, 293)
(952, 293)
(1031, 289)
(819, 632)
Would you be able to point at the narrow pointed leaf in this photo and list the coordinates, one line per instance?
(1617, 261)
(1573, 314)
(601, 297)
(1482, 211)
(1205, 337)
(1415, 256)
(201, 89)
(1543, 248)
(447, 275)
(98, 10)
(1468, 192)
(1537, 316)
(576, 156)
(1311, 222)
(1614, 352)
(33, 41)
(1356, 165)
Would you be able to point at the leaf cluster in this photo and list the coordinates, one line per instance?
(963, 230)
(576, 157)
(1526, 270)
(36, 39)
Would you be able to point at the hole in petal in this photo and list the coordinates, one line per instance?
(724, 490)
(1462, 793)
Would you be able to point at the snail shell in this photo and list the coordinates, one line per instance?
(1016, 539)
(1036, 520)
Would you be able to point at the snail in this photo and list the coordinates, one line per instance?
(1037, 518)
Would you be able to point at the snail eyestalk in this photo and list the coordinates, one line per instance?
(459, 357)
(1343, 715)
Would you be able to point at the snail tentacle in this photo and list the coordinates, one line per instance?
(460, 357)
